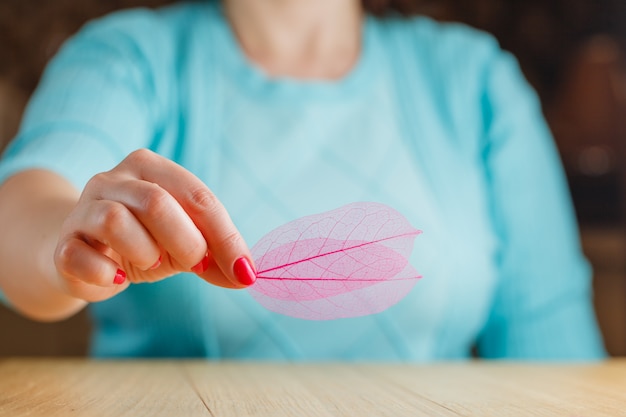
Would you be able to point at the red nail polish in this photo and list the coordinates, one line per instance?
(202, 265)
(120, 277)
(156, 264)
(244, 272)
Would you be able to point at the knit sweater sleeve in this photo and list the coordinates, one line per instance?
(542, 307)
(98, 100)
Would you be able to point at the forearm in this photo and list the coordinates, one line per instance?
(34, 206)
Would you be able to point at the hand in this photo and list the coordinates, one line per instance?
(143, 221)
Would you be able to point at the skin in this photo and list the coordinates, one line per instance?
(149, 217)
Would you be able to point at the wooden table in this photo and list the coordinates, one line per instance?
(78, 387)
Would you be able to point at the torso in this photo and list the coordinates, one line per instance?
(275, 150)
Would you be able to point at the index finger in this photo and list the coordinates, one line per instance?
(226, 245)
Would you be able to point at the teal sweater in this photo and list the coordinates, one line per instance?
(434, 120)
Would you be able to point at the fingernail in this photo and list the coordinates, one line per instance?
(202, 265)
(244, 272)
(157, 263)
(120, 277)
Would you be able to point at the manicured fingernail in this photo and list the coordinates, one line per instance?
(244, 272)
(120, 277)
(157, 263)
(202, 265)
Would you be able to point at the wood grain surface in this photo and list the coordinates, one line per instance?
(79, 387)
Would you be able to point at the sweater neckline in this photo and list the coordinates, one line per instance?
(255, 80)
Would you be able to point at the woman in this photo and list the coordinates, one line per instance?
(151, 130)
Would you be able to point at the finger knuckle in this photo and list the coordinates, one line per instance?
(97, 181)
(230, 241)
(192, 253)
(202, 200)
(140, 156)
(64, 256)
(155, 201)
(113, 217)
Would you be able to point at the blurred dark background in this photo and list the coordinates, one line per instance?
(573, 52)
